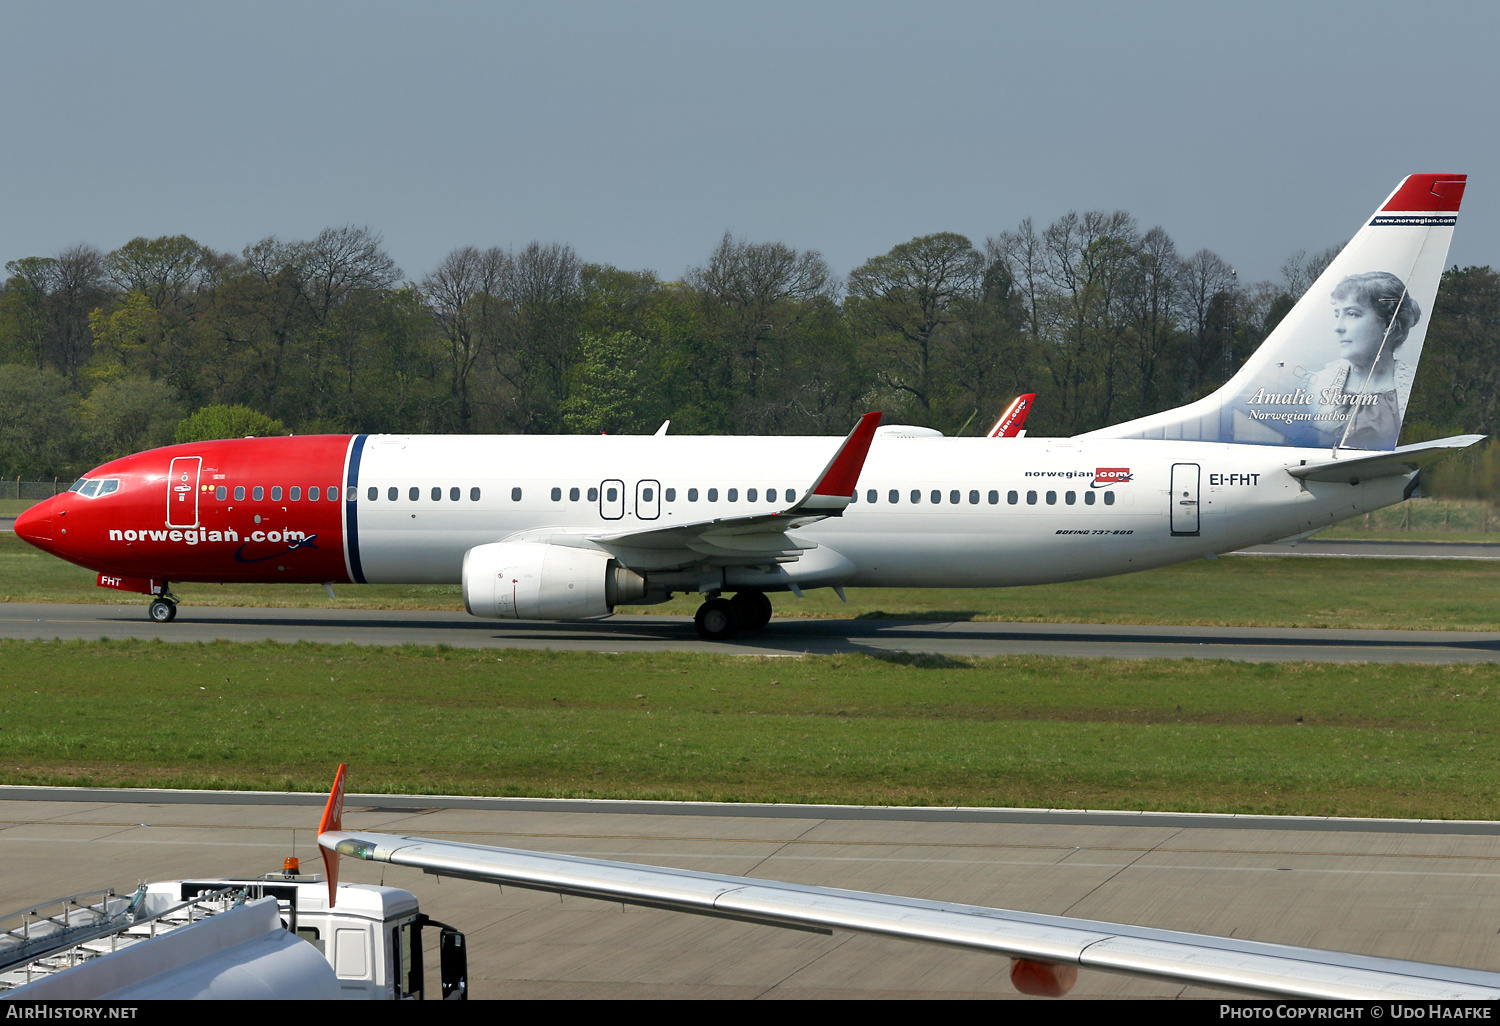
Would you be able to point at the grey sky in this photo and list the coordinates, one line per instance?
(640, 132)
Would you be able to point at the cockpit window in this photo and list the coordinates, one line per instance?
(88, 489)
(77, 484)
(110, 486)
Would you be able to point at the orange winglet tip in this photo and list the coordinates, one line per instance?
(333, 819)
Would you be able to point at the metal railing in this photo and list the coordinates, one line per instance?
(36, 491)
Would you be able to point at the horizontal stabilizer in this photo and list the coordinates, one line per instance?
(1400, 461)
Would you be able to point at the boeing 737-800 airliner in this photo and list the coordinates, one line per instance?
(567, 527)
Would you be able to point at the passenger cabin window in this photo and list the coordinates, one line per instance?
(1031, 498)
(647, 494)
(276, 493)
(333, 493)
(312, 494)
(515, 495)
(393, 493)
(572, 494)
(413, 493)
(791, 495)
(692, 495)
(437, 494)
(239, 493)
(611, 494)
(295, 493)
(953, 496)
(670, 494)
(935, 497)
(713, 495)
(473, 494)
(770, 495)
(1052, 498)
(870, 494)
(734, 495)
(1070, 498)
(453, 494)
(257, 493)
(221, 493)
(372, 493)
(916, 496)
(593, 495)
(750, 494)
(1088, 498)
(557, 495)
(974, 497)
(894, 496)
(1109, 498)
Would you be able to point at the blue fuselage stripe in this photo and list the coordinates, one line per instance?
(351, 518)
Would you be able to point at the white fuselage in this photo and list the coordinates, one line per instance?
(1162, 502)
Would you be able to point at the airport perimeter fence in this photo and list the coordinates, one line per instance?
(35, 491)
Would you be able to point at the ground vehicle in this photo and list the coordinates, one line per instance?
(273, 936)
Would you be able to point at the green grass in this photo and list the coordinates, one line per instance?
(1447, 520)
(15, 507)
(1262, 591)
(1309, 739)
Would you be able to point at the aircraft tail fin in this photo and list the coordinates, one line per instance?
(1337, 371)
(1012, 423)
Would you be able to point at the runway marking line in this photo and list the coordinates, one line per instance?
(782, 841)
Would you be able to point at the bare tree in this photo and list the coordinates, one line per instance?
(909, 296)
(79, 284)
(756, 298)
(342, 261)
(467, 296)
(1204, 283)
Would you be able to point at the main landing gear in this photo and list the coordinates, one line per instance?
(163, 608)
(720, 619)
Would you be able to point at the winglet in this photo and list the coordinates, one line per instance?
(835, 485)
(1014, 418)
(333, 819)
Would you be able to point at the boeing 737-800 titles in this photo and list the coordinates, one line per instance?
(567, 527)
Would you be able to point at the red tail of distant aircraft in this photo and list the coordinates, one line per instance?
(1012, 422)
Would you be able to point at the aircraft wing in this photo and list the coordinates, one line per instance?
(1402, 460)
(1042, 942)
(754, 537)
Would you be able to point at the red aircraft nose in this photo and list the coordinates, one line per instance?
(35, 525)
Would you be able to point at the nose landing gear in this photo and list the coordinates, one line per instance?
(163, 608)
(720, 619)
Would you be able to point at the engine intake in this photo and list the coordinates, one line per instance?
(539, 581)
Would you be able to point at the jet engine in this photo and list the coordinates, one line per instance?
(527, 580)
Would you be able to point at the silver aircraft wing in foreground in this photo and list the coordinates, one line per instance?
(1048, 949)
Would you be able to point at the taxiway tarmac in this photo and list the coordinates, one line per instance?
(1424, 891)
(783, 637)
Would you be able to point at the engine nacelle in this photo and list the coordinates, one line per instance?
(527, 580)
